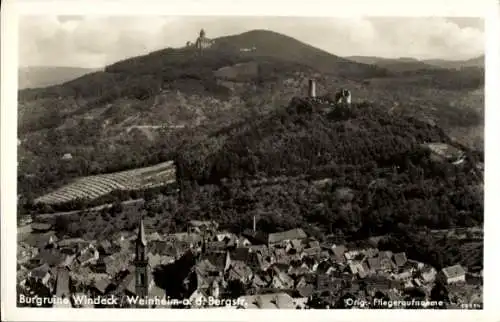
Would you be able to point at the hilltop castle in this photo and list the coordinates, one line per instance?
(201, 43)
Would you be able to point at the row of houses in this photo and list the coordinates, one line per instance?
(282, 269)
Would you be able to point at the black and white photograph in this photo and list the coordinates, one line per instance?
(250, 162)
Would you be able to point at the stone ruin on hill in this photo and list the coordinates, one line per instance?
(312, 103)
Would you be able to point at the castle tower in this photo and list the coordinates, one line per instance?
(202, 42)
(141, 263)
(312, 88)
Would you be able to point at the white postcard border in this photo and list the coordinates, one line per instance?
(9, 41)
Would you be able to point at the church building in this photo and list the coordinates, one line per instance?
(140, 282)
(142, 271)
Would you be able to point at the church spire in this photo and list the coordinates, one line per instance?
(141, 235)
(141, 263)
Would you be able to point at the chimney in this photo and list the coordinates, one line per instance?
(312, 88)
(254, 224)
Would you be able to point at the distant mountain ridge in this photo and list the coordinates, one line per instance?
(473, 62)
(403, 64)
(43, 76)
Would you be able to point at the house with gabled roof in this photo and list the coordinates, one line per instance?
(280, 279)
(374, 264)
(240, 271)
(107, 247)
(385, 254)
(286, 236)
(206, 276)
(363, 270)
(400, 259)
(428, 274)
(117, 262)
(327, 282)
(225, 236)
(163, 248)
(298, 269)
(154, 236)
(25, 253)
(259, 281)
(404, 275)
(381, 283)
(242, 241)
(352, 254)
(313, 244)
(247, 256)
(324, 255)
(216, 245)
(325, 267)
(371, 252)
(262, 249)
(311, 252)
(203, 227)
(264, 261)
(158, 293)
(51, 257)
(453, 274)
(156, 260)
(295, 244)
(128, 284)
(198, 299)
(41, 274)
(220, 260)
(267, 301)
(256, 237)
(101, 285)
(416, 265)
(307, 279)
(62, 289)
(386, 264)
(306, 291)
(338, 253)
(90, 255)
(279, 255)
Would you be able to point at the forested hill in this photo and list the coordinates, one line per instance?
(294, 141)
(268, 43)
(381, 168)
(142, 110)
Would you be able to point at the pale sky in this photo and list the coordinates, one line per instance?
(95, 41)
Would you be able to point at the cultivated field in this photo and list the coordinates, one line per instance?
(93, 187)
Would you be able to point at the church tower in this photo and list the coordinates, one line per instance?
(141, 263)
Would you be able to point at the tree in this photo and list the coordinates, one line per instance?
(116, 208)
(61, 225)
(235, 289)
(440, 293)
